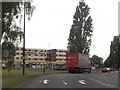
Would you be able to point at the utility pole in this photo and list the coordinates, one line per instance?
(119, 32)
(114, 58)
(24, 45)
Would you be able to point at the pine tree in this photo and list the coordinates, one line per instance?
(81, 30)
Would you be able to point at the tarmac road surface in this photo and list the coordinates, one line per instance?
(68, 80)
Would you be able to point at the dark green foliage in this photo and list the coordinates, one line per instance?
(81, 30)
(96, 60)
(9, 9)
(114, 58)
(11, 32)
(109, 62)
(12, 11)
(8, 50)
(8, 53)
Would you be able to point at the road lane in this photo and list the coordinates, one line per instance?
(67, 80)
(103, 83)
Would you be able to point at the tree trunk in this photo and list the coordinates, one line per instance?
(9, 65)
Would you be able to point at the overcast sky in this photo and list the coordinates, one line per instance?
(50, 25)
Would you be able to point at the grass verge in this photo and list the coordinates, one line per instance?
(15, 77)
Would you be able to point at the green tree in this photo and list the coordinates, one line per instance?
(11, 31)
(114, 57)
(108, 62)
(8, 53)
(81, 30)
(119, 52)
(95, 60)
(116, 51)
(10, 12)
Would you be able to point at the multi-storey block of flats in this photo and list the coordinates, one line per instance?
(38, 58)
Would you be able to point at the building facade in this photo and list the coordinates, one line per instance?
(41, 56)
(31, 54)
(56, 55)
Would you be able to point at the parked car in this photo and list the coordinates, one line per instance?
(105, 69)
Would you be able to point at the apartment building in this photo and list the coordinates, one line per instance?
(58, 55)
(41, 56)
(32, 55)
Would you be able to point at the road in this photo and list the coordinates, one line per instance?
(67, 80)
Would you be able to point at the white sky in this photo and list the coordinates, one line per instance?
(50, 25)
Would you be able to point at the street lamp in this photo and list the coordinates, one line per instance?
(114, 59)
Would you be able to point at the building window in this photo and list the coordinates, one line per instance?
(17, 49)
(29, 50)
(44, 50)
(60, 51)
(36, 55)
(29, 54)
(17, 53)
(35, 58)
(17, 57)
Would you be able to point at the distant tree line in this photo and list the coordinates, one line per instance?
(96, 61)
(113, 59)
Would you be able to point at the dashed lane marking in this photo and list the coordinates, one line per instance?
(82, 82)
(44, 81)
(64, 82)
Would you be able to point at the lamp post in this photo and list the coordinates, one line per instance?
(24, 45)
(114, 59)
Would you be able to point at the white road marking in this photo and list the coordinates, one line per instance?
(44, 81)
(105, 84)
(64, 82)
(82, 82)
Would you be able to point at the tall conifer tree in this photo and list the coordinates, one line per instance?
(81, 30)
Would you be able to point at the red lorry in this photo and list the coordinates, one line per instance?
(78, 62)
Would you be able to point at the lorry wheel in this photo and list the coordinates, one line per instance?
(81, 71)
(89, 71)
(69, 71)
